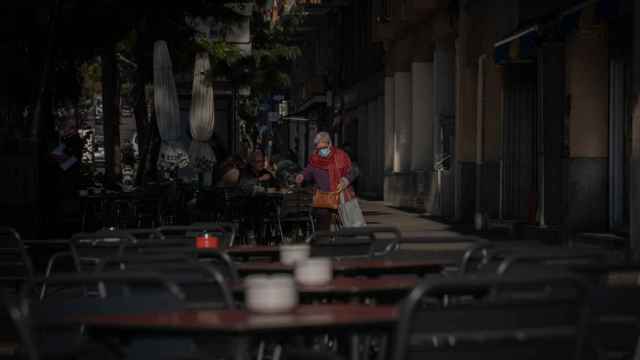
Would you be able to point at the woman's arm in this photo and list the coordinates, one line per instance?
(307, 174)
(351, 176)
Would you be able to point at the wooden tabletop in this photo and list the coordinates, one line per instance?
(362, 266)
(303, 317)
(47, 243)
(254, 251)
(356, 286)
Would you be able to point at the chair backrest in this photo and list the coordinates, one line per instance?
(221, 261)
(296, 203)
(615, 325)
(95, 294)
(361, 241)
(488, 258)
(230, 203)
(225, 231)
(555, 257)
(476, 256)
(201, 282)
(493, 317)
(218, 259)
(89, 248)
(15, 263)
(77, 295)
(15, 327)
(143, 233)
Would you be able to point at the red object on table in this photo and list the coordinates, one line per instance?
(207, 241)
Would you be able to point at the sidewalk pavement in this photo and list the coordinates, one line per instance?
(414, 225)
(423, 234)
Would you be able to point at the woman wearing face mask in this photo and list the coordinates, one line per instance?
(331, 170)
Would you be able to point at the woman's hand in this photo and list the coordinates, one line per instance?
(342, 185)
(299, 179)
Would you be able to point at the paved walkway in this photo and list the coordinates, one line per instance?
(414, 225)
(424, 235)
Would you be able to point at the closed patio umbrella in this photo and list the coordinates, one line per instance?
(202, 120)
(172, 154)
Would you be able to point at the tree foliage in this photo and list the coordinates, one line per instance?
(265, 69)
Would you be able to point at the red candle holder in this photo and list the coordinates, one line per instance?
(207, 241)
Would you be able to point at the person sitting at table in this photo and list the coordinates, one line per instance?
(232, 170)
(257, 173)
(262, 171)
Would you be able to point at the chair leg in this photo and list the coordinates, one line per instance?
(260, 351)
(54, 258)
(277, 352)
(281, 231)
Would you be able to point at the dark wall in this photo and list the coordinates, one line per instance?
(466, 173)
(588, 194)
(223, 118)
(490, 192)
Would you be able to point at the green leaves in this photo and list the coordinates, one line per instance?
(266, 68)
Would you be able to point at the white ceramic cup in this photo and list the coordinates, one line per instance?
(314, 271)
(270, 294)
(294, 253)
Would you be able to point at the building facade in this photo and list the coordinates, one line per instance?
(512, 114)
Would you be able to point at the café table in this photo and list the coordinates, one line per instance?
(244, 324)
(109, 205)
(47, 243)
(611, 275)
(354, 267)
(384, 289)
(246, 252)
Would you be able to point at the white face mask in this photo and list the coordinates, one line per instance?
(324, 152)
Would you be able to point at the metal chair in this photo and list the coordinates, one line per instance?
(494, 317)
(143, 233)
(361, 241)
(296, 211)
(94, 294)
(615, 320)
(519, 261)
(88, 249)
(15, 322)
(15, 264)
(203, 284)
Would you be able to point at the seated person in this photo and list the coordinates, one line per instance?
(231, 170)
(264, 177)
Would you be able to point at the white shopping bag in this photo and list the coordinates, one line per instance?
(350, 213)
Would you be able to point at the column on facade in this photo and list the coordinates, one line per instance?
(422, 103)
(587, 81)
(439, 201)
(466, 118)
(634, 201)
(443, 94)
(551, 117)
(402, 106)
(389, 117)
